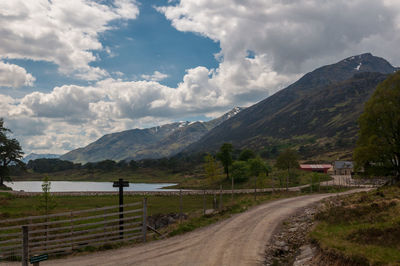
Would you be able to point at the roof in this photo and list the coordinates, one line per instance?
(315, 166)
(343, 164)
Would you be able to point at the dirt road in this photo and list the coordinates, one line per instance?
(239, 240)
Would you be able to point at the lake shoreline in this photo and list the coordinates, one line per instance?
(86, 186)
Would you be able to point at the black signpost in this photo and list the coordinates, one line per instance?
(121, 184)
(36, 259)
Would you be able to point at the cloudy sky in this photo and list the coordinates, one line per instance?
(72, 71)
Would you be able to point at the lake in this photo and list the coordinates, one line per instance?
(68, 186)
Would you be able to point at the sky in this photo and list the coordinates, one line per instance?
(72, 71)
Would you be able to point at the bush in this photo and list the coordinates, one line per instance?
(240, 171)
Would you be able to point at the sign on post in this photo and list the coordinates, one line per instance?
(121, 184)
(36, 259)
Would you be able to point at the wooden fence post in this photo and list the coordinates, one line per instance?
(105, 225)
(180, 206)
(232, 189)
(71, 229)
(215, 201)
(204, 202)
(255, 188)
(273, 184)
(144, 224)
(25, 245)
(220, 197)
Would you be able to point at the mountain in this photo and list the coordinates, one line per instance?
(34, 156)
(155, 142)
(318, 113)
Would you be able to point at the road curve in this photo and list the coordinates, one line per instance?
(239, 240)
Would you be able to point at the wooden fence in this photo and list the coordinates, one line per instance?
(72, 231)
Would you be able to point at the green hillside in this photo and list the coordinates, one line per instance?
(317, 114)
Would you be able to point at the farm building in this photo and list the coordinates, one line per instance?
(321, 168)
(342, 168)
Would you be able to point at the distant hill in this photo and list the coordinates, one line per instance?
(318, 113)
(152, 143)
(34, 156)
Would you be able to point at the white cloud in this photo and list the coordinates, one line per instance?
(68, 102)
(5, 103)
(288, 38)
(156, 76)
(118, 74)
(61, 32)
(73, 115)
(14, 76)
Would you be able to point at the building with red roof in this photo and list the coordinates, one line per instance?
(321, 168)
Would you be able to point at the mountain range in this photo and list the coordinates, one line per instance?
(155, 142)
(34, 156)
(317, 115)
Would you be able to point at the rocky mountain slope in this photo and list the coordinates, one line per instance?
(318, 113)
(155, 142)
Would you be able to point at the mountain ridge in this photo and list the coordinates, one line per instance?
(154, 142)
(330, 92)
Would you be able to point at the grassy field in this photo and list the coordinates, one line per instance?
(363, 228)
(277, 179)
(12, 206)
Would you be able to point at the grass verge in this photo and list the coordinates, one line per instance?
(362, 228)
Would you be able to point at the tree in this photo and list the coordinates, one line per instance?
(225, 156)
(49, 165)
(240, 171)
(288, 159)
(210, 167)
(378, 144)
(256, 168)
(269, 152)
(46, 202)
(246, 154)
(133, 165)
(10, 153)
(106, 165)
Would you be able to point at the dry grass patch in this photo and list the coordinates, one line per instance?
(362, 228)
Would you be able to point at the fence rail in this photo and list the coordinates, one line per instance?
(70, 231)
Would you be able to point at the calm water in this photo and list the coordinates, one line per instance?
(66, 186)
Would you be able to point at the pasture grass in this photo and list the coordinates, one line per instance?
(12, 206)
(362, 228)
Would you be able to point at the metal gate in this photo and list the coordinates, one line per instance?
(72, 231)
